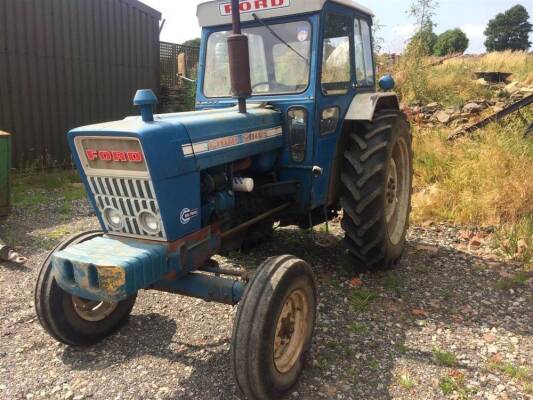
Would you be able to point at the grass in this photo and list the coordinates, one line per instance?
(513, 282)
(405, 381)
(528, 388)
(478, 181)
(360, 298)
(511, 370)
(450, 385)
(452, 83)
(444, 358)
(402, 348)
(394, 284)
(321, 364)
(422, 269)
(354, 373)
(357, 328)
(31, 189)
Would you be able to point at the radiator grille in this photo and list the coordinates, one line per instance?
(131, 196)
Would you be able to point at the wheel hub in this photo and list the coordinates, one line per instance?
(92, 311)
(392, 186)
(291, 326)
(397, 191)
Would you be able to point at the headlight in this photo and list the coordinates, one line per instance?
(149, 222)
(114, 218)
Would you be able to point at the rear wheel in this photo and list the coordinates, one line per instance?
(71, 319)
(377, 186)
(273, 328)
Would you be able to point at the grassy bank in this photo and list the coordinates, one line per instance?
(452, 83)
(482, 180)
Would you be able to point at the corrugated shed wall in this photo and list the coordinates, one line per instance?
(68, 63)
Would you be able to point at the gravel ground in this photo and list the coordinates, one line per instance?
(451, 322)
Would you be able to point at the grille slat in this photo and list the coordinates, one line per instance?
(130, 196)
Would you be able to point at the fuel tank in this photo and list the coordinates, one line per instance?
(143, 168)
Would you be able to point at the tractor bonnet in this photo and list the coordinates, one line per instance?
(218, 12)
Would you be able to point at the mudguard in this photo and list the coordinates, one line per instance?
(365, 105)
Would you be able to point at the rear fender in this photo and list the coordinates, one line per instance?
(365, 105)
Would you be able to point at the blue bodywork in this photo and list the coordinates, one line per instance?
(112, 268)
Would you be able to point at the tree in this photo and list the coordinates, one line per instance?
(452, 41)
(422, 43)
(192, 43)
(509, 30)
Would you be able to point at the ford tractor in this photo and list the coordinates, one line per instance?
(288, 129)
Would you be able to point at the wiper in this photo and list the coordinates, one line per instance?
(256, 17)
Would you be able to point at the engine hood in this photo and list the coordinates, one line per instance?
(174, 144)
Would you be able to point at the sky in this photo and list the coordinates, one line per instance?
(472, 16)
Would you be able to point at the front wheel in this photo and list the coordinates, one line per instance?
(70, 319)
(274, 327)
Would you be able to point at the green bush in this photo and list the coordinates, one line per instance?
(452, 41)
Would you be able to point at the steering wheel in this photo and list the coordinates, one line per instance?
(259, 84)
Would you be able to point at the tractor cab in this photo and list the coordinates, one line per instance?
(308, 59)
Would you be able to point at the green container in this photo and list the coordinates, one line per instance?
(5, 170)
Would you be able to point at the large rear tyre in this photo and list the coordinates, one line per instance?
(70, 319)
(376, 181)
(274, 327)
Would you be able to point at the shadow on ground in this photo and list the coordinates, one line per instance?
(365, 335)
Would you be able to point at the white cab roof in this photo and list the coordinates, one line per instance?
(218, 12)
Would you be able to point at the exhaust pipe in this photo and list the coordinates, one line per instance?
(239, 60)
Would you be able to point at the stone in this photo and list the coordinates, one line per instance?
(443, 117)
(521, 247)
(472, 108)
(512, 87)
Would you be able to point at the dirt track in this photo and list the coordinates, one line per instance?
(446, 320)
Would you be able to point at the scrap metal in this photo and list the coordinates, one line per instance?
(494, 117)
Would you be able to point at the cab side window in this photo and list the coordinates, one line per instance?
(336, 69)
(364, 64)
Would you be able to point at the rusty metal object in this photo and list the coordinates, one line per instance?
(494, 117)
(213, 267)
(8, 254)
(254, 221)
(493, 77)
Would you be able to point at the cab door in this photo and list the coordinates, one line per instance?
(336, 88)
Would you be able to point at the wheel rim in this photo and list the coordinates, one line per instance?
(397, 191)
(92, 311)
(291, 331)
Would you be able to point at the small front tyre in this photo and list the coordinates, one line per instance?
(274, 327)
(70, 319)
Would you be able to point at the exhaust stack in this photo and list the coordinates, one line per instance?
(239, 60)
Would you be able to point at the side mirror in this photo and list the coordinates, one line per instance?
(387, 83)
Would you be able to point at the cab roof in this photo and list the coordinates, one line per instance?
(218, 12)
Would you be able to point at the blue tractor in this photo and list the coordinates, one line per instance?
(288, 129)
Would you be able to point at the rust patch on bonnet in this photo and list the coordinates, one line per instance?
(111, 278)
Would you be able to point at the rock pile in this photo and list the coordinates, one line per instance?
(436, 114)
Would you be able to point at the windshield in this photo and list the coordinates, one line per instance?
(275, 67)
